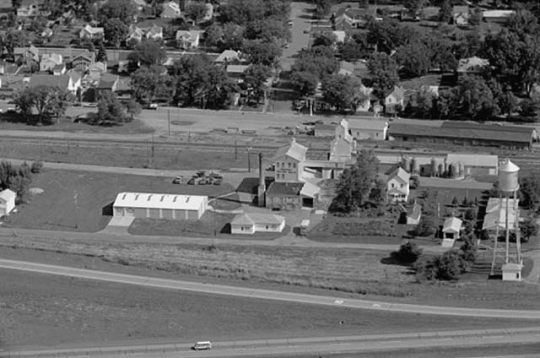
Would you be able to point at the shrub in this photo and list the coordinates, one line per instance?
(407, 253)
(36, 167)
(426, 227)
(445, 267)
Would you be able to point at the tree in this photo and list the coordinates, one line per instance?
(449, 266)
(24, 102)
(261, 53)
(355, 183)
(48, 101)
(110, 110)
(214, 36)
(304, 82)
(472, 98)
(15, 4)
(115, 31)
(529, 228)
(427, 226)
(268, 30)
(353, 49)
(529, 188)
(233, 37)
(408, 253)
(132, 108)
(387, 35)
(148, 53)
(195, 11)
(383, 74)
(14, 38)
(124, 10)
(342, 92)
(326, 39)
(322, 8)
(445, 12)
(414, 7)
(414, 58)
(255, 78)
(149, 83)
(101, 53)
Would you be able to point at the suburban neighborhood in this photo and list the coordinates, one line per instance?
(269, 178)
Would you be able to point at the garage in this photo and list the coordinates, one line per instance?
(160, 206)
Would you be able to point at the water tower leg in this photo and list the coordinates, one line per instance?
(507, 230)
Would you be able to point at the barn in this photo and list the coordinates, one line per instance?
(160, 206)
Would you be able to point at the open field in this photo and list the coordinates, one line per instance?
(47, 311)
(57, 208)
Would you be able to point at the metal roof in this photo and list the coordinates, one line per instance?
(7, 194)
(400, 174)
(160, 201)
(473, 160)
(294, 150)
(367, 124)
(452, 225)
(255, 218)
(285, 188)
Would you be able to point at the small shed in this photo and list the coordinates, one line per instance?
(250, 223)
(414, 216)
(512, 272)
(452, 228)
(7, 201)
(160, 206)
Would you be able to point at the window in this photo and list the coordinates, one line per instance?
(277, 164)
(294, 165)
(392, 185)
(402, 185)
(289, 165)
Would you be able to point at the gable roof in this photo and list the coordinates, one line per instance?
(367, 124)
(401, 175)
(61, 81)
(415, 212)
(93, 30)
(255, 218)
(398, 93)
(7, 194)
(163, 201)
(346, 66)
(107, 81)
(473, 160)
(155, 30)
(228, 55)
(236, 68)
(285, 188)
(294, 150)
(53, 57)
(452, 225)
(471, 63)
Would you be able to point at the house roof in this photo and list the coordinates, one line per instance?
(236, 68)
(59, 67)
(347, 66)
(156, 201)
(473, 160)
(416, 212)
(340, 147)
(367, 124)
(53, 57)
(294, 150)
(452, 225)
(498, 13)
(414, 130)
(155, 30)
(227, 55)
(398, 93)
(456, 10)
(400, 174)
(22, 50)
(340, 35)
(471, 63)
(90, 56)
(61, 81)
(74, 75)
(310, 190)
(98, 66)
(496, 213)
(107, 81)
(255, 218)
(187, 35)
(7, 194)
(490, 127)
(93, 30)
(285, 188)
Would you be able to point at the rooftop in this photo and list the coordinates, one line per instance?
(282, 188)
(294, 150)
(255, 218)
(163, 201)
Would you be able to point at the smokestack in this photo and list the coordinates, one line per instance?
(261, 190)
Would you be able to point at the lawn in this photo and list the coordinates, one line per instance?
(48, 311)
(81, 201)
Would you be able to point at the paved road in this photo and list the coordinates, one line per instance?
(299, 39)
(264, 294)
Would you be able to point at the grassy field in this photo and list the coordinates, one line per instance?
(57, 208)
(49, 311)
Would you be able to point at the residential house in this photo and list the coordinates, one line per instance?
(82, 62)
(49, 61)
(460, 15)
(107, 83)
(367, 128)
(346, 68)
(397, 185)
(64, 82)
(340, 36)
(472, 65)
(76, 79)
(209, 12)
(187, 39)
(288, 162)
(228, 56)
(96, 69)
(154, 33)
(351, 18)
(135, 34)
(91, 33)
(395, 100)
(451, 229)
(7, 201)
(291, 195)
(171, 10)
(48, 32)
(26, 54)
(250, 223)
(236, 72)
(31, 8)
(140, 4)
(498, 16)
(59, 70)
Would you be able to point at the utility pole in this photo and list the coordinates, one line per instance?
(75, 203)
(235, 150)
(169, 122)
(249, 159)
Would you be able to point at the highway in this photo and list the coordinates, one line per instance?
(265, 294)
(318, 346)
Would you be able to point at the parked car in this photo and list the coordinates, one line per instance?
(191, 181)
(153, 106)
(218, 181)
(10, 110)
(202, 345)
(177, 180)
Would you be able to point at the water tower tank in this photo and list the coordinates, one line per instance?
(508, 176)
(415, 166)
(406, 163)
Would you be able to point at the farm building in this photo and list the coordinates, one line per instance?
(475, 164)
(291, 196)
(7, 201)
(160, 206)
(374, 129)
(457, 133)
(495, 218)
(252, 223)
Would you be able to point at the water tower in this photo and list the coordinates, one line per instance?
(509, 212)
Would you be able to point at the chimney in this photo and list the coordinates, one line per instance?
(261, 190)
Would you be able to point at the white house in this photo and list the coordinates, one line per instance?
(460, 15)
(394, 99)
(227, 55)
(251, 223)
(288, 162)
(472, 65)
(135, 34)
(187, 39)
(397, 185)
(367, 128)
(48, 61)
(155, 32)
(92, 33)
(171, 10)
(7, 201)
(160, 206)
(30, 8)
(451, 229)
